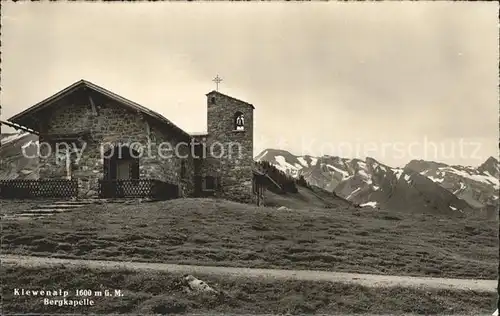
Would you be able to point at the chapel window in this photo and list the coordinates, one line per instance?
(239, 121)
(209, 183)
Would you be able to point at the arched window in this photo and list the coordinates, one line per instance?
(239, 121)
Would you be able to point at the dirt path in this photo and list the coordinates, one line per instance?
(370, 280)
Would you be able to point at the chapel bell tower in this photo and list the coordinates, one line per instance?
(230, 142)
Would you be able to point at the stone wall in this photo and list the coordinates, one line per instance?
(230, 151)
(110, 124)
(168, 158)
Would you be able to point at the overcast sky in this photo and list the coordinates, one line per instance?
(351, 79)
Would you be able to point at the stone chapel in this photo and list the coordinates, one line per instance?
(106, 135)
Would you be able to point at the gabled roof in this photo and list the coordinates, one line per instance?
(225, 95)
(87, 84)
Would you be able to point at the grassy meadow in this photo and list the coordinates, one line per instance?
(222, 233)
(152, 292)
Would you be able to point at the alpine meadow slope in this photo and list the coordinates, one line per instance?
(13, 163)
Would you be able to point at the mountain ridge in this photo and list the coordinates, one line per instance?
(433, 186)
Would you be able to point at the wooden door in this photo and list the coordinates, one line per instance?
(123, 170)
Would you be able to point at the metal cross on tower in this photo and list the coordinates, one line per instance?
(217, 80)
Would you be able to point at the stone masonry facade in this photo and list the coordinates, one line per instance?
(110, 125)
(230, 151)
(96, 123)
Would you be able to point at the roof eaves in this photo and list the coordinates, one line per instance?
(230, 97)
(198, 134)
(46, 102)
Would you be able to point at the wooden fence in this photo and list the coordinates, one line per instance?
(46, 188)
(135, 188)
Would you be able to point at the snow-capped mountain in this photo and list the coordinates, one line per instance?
(420, 184)
(285, 161)
(478, 186)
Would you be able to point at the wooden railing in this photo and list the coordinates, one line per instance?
(137, 188)
(46, 188)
